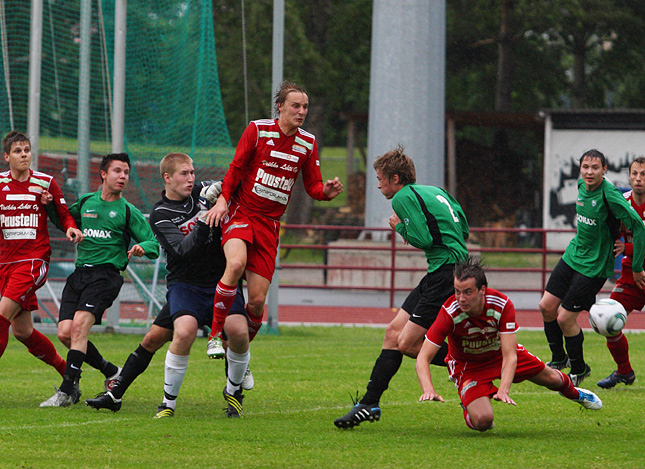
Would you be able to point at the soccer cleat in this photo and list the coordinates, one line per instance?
(215, 348)
(59, 399)
(104, 401)
(576, 379)
(589, 400)
(76, 392)
(359, 413)
(163, 412)
(248, 382)
(234, 401)
(559, 365)
(614, 378)
(110, 382)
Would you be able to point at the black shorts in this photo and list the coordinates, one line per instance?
(425, 301)
(577, 292)
(92, 289)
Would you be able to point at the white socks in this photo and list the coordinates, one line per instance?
(237, 365)
(175, 369)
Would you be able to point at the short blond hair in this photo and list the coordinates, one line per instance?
(171, 161)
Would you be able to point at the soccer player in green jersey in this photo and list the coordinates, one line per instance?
(587, 263)
(108, 223)
(428, 218)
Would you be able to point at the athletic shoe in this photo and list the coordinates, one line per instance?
(110, 382)
(589, 400)
(248, 382)
(163, 412)
(215, 348)
(76, 392)
(614, 378)
(234, 401)
(576, 379)
(104, 401)
(358, 414)
(559, 365)
(59, 399)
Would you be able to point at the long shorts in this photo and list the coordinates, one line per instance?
(474, 380)
(261, 235)
(630, 296)
(20, 280)
(577, 292)
(185, 299)
(92, 289)
(424, 302)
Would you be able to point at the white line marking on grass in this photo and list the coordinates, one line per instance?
(56, 425)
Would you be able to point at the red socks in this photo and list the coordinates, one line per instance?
(254, 322)
(224, 298)
(5, 324)
(567, 389)
(619, 349)
(42, 348)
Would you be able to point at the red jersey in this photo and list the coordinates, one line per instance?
(474, 340)
(23, 219)
(626, 274)
(266, 165)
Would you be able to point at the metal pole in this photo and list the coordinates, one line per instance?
(118, 114)
(83, 172)
(276, 79)
(35, 58)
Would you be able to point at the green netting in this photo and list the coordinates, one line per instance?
(173, 99)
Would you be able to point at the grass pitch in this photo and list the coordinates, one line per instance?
(304, 377)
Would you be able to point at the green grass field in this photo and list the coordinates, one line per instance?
(303, 380)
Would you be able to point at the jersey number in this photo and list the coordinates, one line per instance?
(443, 200)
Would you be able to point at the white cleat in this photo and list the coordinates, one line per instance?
(215, 349)
(248, 382)
(589, 400)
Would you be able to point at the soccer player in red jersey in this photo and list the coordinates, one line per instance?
(24, 246)
(479, 323)
(626, 291)
(255, 193)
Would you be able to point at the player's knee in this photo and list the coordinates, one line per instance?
(548, 313)
(236, 266)
(154, 341)
(407, 347)
(256, 305)
(65, 338)
(482, 422)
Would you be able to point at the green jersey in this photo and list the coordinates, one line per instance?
(107, 229)
(598, 212)
(432, 220)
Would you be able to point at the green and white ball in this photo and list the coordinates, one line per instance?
(607, 317)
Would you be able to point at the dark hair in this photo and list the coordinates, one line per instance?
(286, 87)
(591, 154)
(13, 137)
(472, 268)
(108, 159)
(638, 160)
(395, 162)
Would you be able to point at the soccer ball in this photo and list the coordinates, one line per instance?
(607, 317)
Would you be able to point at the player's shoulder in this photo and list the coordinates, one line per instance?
(496, 298)
(304, 134)
(628, 195)
(40, 175)
(451, 306)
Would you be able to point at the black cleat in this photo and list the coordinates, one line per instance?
(577, 378)
(359, 413)
(614, 378)
(104, 401)
(234, 401)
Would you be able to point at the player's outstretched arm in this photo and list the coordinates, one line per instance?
(217, 212)
(426, 354)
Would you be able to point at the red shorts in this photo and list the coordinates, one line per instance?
(628, 295)
(20, 280)
(474, 380)
(261, 235)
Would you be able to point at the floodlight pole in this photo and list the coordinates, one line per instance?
(276, 79)
(118, 108)
(35, 59)
(83, 170)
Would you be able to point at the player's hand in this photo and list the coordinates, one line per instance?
(430, 396)
(394, 220)
(74, 235)
(46, 197)
(219, 211)
(211, 193)
(332, 187)
(503, 397)
(136, 251)
(639, 278)
(619, 247)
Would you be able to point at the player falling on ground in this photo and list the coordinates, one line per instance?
(587, 263)
(428, 218)
(480, 325)
(108, 222)
(24, 246)
(255, 193)
(626, 291)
